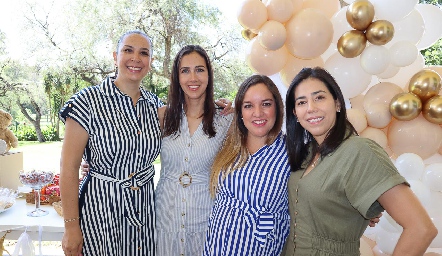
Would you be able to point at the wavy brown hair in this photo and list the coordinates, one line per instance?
(234, 153)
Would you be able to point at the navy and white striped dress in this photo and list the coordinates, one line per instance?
(116, 198)
(250, 215)
(183, 211)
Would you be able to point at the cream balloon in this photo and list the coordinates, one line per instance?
(375, 59)
(327, 7)
(280, 10)
(272, 35)
(378, 115)
(357, 118)
(416, 136)
(349, 74)
(294, 65)
(376, 135)
(393, 10)
(297, 6)
(357, 102)
(364, 248)
(410, 165)
(403, 53)
(386, 241)
(252, 14)
(340, 24)
(263, 61)
(309, 33)
(410, 28)
(432, 16)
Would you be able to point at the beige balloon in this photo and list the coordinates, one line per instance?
(309, 34)
(378, 115)
(263, 61)
(358, 102)
(432, 110)
(352, 43)
(415, 136)
(380, 32)
(360, 14)
(377, 135)
(425, 84)
(252, 14)
(294, 65)
(357, 118)
(405, 106)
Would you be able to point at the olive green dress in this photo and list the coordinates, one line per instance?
(330, 207)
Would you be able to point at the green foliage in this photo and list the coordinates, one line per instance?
(433, 55)
(50, 134)
(27, 133)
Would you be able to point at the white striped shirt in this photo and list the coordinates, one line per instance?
(250, 215)
(183, 212)
(124, 140)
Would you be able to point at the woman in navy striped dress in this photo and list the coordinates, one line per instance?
(249, 177)
(115, 127)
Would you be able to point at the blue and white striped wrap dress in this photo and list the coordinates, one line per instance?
(116, 198)
(250, 216)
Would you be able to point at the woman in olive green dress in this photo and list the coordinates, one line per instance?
(340, 180)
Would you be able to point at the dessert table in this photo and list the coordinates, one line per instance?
(44, 228)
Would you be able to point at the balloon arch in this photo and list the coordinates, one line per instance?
(372, 48)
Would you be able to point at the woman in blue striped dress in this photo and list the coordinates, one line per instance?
(249, 177)
(193, 132)
(115, 127)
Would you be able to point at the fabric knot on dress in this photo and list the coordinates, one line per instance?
(133, 182)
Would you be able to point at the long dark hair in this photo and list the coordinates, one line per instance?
(298, 138)
(175, 98)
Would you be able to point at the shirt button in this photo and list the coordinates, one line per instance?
(296, 213)
(296, 200)
(182, 214)
(139, 247)
(186, 159)
(182, 240)
(296, 190)
(138, 132)
(184, 199)
(181, 254)
(182, 226)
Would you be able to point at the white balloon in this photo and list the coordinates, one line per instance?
(389, 224)
(386, 241)
(410, 28)
(375, 59)
(410, 165)
(432, 16)
(332, 49)
(348, 73)
(421, 191)
(340, 24)
(272, 35)
(433, 177)
(403, 76)
(403, 53)
(349, 1)
(393, 10)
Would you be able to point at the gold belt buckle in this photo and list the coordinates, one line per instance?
(185, 174)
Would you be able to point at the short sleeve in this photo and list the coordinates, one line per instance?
(372, 174)
(77, 108)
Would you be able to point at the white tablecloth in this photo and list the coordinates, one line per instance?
(16, 220)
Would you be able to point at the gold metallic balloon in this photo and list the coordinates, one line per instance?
(425, 84)
(352, 43)
(432, 110)
(248, 34)
(360, 14)
(405, 106)
(380, 32)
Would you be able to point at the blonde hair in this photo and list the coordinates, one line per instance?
(234, 153)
